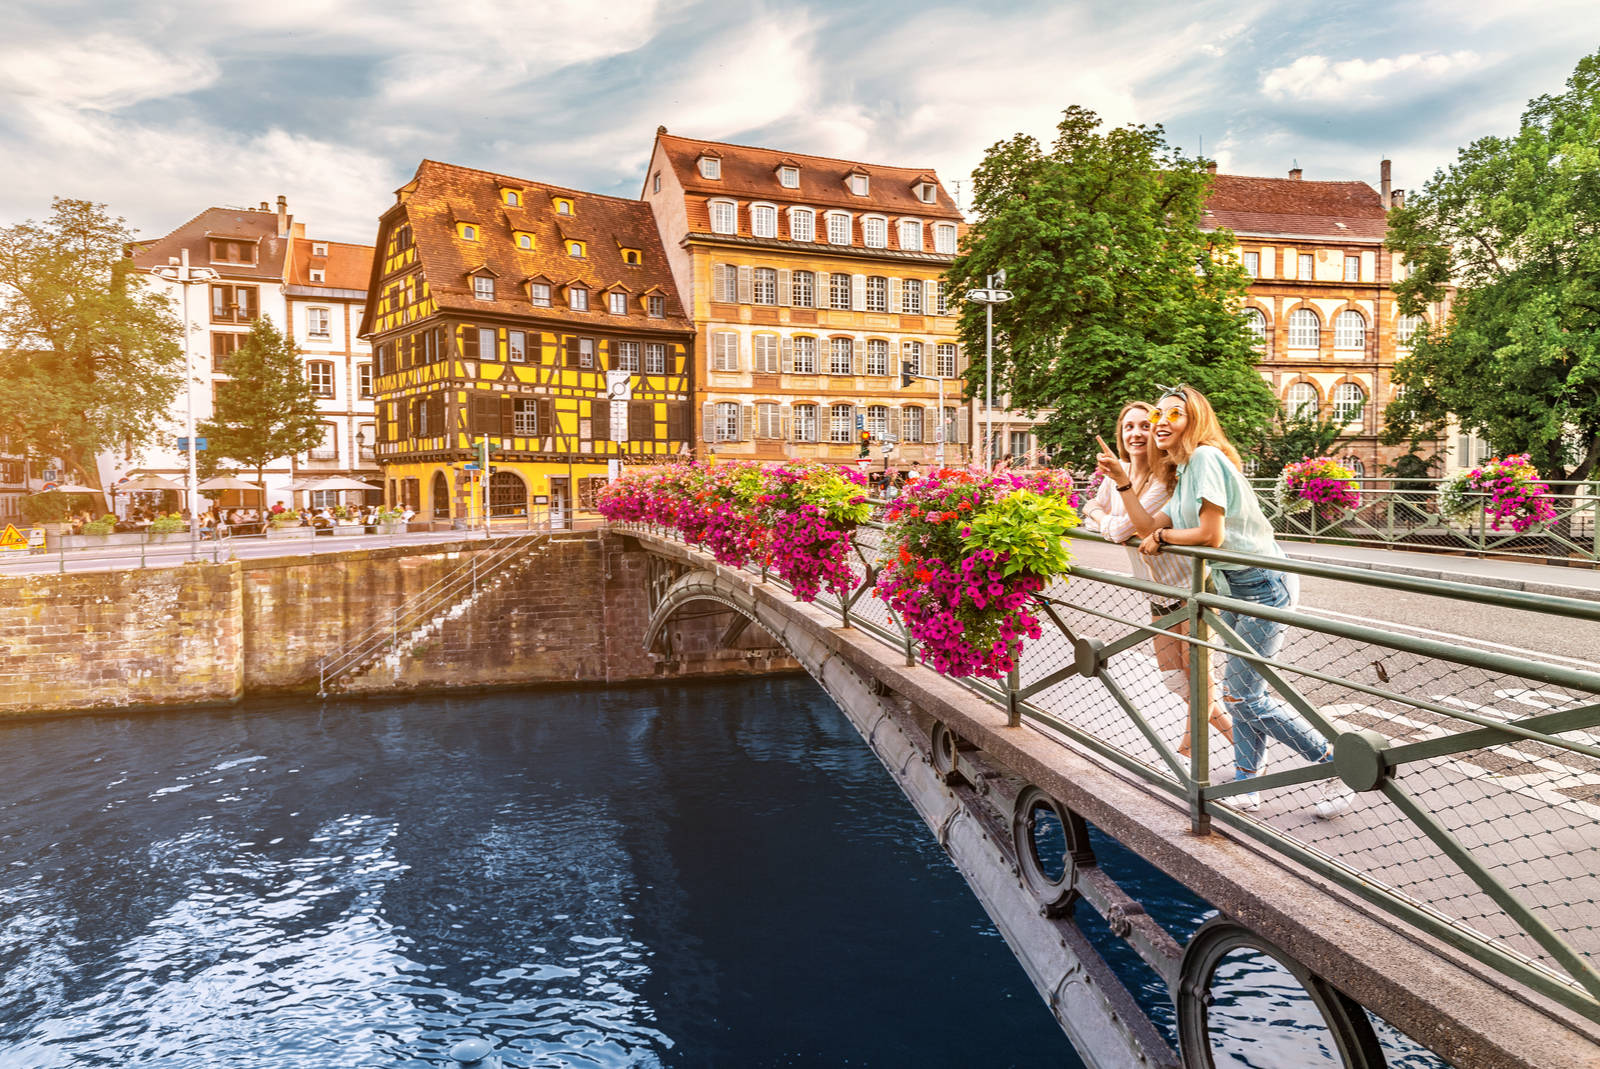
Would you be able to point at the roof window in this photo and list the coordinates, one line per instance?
(859, 185)
(789, 177)
(710, 167)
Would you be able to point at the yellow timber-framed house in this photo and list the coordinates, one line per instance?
(542, 319)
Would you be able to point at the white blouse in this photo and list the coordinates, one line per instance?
(1117, 525)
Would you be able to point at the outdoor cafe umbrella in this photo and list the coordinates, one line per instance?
(339, 482)
(148, 482)
(70, 488)
(227, 482)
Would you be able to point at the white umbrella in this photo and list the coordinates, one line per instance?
(341, 482)
(301, 484)
(148, 482)
(70, 488)
(227, 482)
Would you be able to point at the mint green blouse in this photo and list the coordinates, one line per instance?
(1210, 476)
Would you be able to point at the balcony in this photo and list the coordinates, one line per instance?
(324, 454)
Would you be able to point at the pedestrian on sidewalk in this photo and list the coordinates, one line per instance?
(1214, 505)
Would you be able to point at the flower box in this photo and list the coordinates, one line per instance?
(280, 534)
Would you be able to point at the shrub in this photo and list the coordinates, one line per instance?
(171, 523)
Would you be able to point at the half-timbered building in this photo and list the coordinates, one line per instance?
(541, 319)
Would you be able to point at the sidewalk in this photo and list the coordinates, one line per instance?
(1516, 575)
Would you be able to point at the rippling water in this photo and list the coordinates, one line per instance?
(715, 875)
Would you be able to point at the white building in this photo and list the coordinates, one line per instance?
(314, 291)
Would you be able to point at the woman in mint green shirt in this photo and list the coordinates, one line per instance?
(1213, 505)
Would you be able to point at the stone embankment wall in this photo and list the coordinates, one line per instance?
(571, 610)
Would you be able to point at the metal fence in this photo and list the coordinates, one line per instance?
(1405, 515)
(1478, 813)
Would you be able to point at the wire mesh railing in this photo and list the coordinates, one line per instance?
(1452, 784)
(1405, 514)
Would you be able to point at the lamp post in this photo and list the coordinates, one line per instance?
(361, 443)
(989, 296)
(183, 276)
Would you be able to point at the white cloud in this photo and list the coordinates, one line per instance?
(1317, 78)
(101, 72)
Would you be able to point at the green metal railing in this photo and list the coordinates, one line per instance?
(1478, 813)
(1405, 515)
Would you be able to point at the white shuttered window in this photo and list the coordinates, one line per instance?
(725, 351)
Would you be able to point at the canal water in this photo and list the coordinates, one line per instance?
(715, 875)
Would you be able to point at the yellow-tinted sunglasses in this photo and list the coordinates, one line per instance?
(1170, 415)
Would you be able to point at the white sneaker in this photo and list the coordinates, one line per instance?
(1336, 799)
(1248, 802)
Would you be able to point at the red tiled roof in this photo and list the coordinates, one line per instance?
(752, 172)
(245, 223)
(441, 193)
(1292, 206)
(346, 267)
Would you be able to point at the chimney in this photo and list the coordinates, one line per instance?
(283, 216)
(264, 207)
(660, 130)
(1383, 182)
(1398, 199)
(1211, 167)
(1295, 174)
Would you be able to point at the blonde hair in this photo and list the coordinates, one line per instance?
(1202, 428)
(1159, 466)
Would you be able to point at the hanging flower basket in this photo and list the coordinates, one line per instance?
(810, 513)
(1505, 490)
(964, 553)
(1320, 482)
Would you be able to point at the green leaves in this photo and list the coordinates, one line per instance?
(268, 409)
(1031, 527)
(1515, 221)
(1116, 286)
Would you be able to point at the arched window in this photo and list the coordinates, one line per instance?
(1406, 328)
(513, 199)
(1301, 400)
(841, 357)
(1349, 330)
(911, 424)
(878, 420)
(911, 234)
(1355, 464)
(875, 232)
(805, 423)
(1305, 329)
(440, 492)
(764, 221)
(1348, 401)
(841, 423)
(508, 494)
(1257, 324)
(724, 217)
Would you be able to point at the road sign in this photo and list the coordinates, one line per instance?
(888, 449)
(13, 540)
(199, 445)
(619, 385)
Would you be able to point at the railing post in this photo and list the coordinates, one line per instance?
(1483, 523)
(1013, 707)
(1594, 528)
(1199, 707)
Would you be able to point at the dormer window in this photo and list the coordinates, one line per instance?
(467, 231)
(631, 257)
(233, 252)
(618, 303)
(318, 276)
(575, 248)
(927, 192)
(764, 221)
(911, 235)
(483, 288)
(513, 198)
(724, 217)
(525, 242)
(710, 167)
(789, 177)
(319, 249)
(875, 232)
(563, 207)
(859, 185)
(578, 299)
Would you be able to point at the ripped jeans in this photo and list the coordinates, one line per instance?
(1258, 717)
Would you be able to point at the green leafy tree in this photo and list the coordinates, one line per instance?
(1515, 223)
(1118, 291)
(1296, 436)
(267, 409)
(89, 362)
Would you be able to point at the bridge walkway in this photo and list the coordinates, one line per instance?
(1456, 898)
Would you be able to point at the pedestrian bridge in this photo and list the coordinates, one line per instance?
(1457, 899)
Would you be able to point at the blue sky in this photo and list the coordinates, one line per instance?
(160, 109)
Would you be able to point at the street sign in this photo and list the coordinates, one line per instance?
(13, 540)
(619, 417)
(619, 385)
(888, 449)
(199, 445)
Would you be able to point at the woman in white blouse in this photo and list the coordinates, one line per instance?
(1137, 482)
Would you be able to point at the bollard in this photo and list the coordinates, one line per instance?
(475, 1051)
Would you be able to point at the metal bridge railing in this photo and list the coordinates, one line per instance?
(1478, 771)
(1405, 515)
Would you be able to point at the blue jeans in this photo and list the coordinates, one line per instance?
(1258, 717)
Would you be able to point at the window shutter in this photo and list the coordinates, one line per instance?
(574, 345)
(747, 422)
(745, 275)
(641, 421)
(535, 347)
(858, 293)
(675, 423)
(894, 423)
(469, 343)
(599, 420)
(708, 421)
(894, 295)
(716, 282)
(824, 286)
(788, 355)
(545, 418)
(961, 361)
(436, 410)
(613, 354)
(930, 296)
(785, 414)
(961, 425)
(859, 349)
(508, 417)
(785, 278)
(402, 422)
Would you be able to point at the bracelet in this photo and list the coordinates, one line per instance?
(1159, 540)
(1124, 489)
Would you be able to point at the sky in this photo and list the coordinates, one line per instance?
(159, 110)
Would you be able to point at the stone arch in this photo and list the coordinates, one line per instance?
(439, 503)
(508, 494)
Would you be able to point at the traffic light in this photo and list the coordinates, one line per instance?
(905, 375)
(866, 443)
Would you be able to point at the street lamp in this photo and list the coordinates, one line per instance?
(989, 296)
(179, 273)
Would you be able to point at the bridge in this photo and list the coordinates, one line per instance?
(1458, 899)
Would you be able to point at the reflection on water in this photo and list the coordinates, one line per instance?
(716, 875)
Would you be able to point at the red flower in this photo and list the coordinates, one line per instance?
(923, 574)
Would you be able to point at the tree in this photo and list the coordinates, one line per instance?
(267, 408)
(89, 362)
(1117, 289)
(1296, 436)
(1515, 223)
